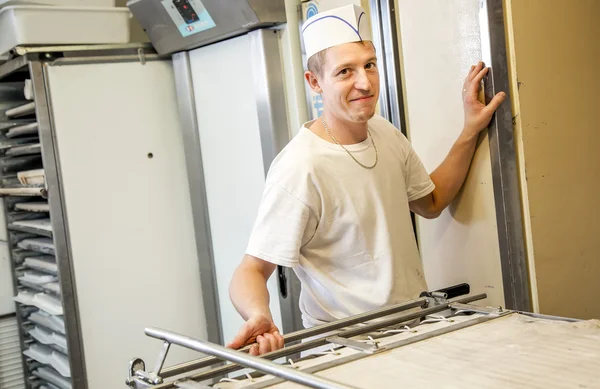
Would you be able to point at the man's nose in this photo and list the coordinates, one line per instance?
(362, 81)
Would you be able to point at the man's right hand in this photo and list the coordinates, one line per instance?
(259, 329)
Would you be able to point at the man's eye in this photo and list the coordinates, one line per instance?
(343, 72)
(371, 65)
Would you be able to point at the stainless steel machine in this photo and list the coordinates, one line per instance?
(429, 342)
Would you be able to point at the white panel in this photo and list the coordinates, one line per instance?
(232, 160)
(129, 215)
(440, 41)
(7, 304)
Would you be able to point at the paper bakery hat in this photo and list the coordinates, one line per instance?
(331, 28)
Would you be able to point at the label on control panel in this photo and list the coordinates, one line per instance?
(189, 16)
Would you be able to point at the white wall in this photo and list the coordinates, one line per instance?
(439, 42)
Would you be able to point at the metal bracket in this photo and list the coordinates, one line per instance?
(354, 344)
(498, 311)
(141, 56)
(135, 366)
(188, 384)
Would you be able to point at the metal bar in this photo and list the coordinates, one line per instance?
(106, 59)
(60, 227)
(376, 25)
(22, 50)
(322, 341)
(392, 65)
(246, 360)
(161, 357)
(549, 317)
(14, 65)
(354, 344)
(306, 333)
(504, 161)
(188, 117)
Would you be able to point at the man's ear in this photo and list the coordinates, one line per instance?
(313, 82)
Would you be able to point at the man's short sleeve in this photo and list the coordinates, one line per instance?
(418, 182)
(283, 225)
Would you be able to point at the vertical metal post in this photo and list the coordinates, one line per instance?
(60, 228)
(504, 161)
(391, 57)
(195, 172)
(378, 38)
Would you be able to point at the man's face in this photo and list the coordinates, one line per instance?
(349, 81)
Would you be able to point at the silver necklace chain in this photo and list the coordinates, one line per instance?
(349, 153)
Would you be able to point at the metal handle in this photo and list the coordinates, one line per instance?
(246, 360)
(305, 333)
(283, 288)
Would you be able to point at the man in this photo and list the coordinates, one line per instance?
(337, 198)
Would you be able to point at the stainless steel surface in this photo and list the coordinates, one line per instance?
(270, 93)
(504, 161)
(378, 38)
(355, 344)
(391, 67)
(60, 226)
(83, 49)
(232, 18)
(274, 135)
(106, 59)
(306, 333)
(246, 360)
(195, 171)
(308, 345)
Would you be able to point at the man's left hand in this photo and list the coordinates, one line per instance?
(477, 114)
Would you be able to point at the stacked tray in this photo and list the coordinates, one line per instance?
(29, 224)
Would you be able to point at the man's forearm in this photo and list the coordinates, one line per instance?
(450, 175)
(249, 294)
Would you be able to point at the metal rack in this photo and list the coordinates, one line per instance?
(438, 333)
(35, 218)
(338, 333)
(36, 207)
(35, 230)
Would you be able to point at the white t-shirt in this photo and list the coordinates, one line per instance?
(345, 230)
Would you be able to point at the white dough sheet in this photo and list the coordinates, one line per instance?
(510, 351)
